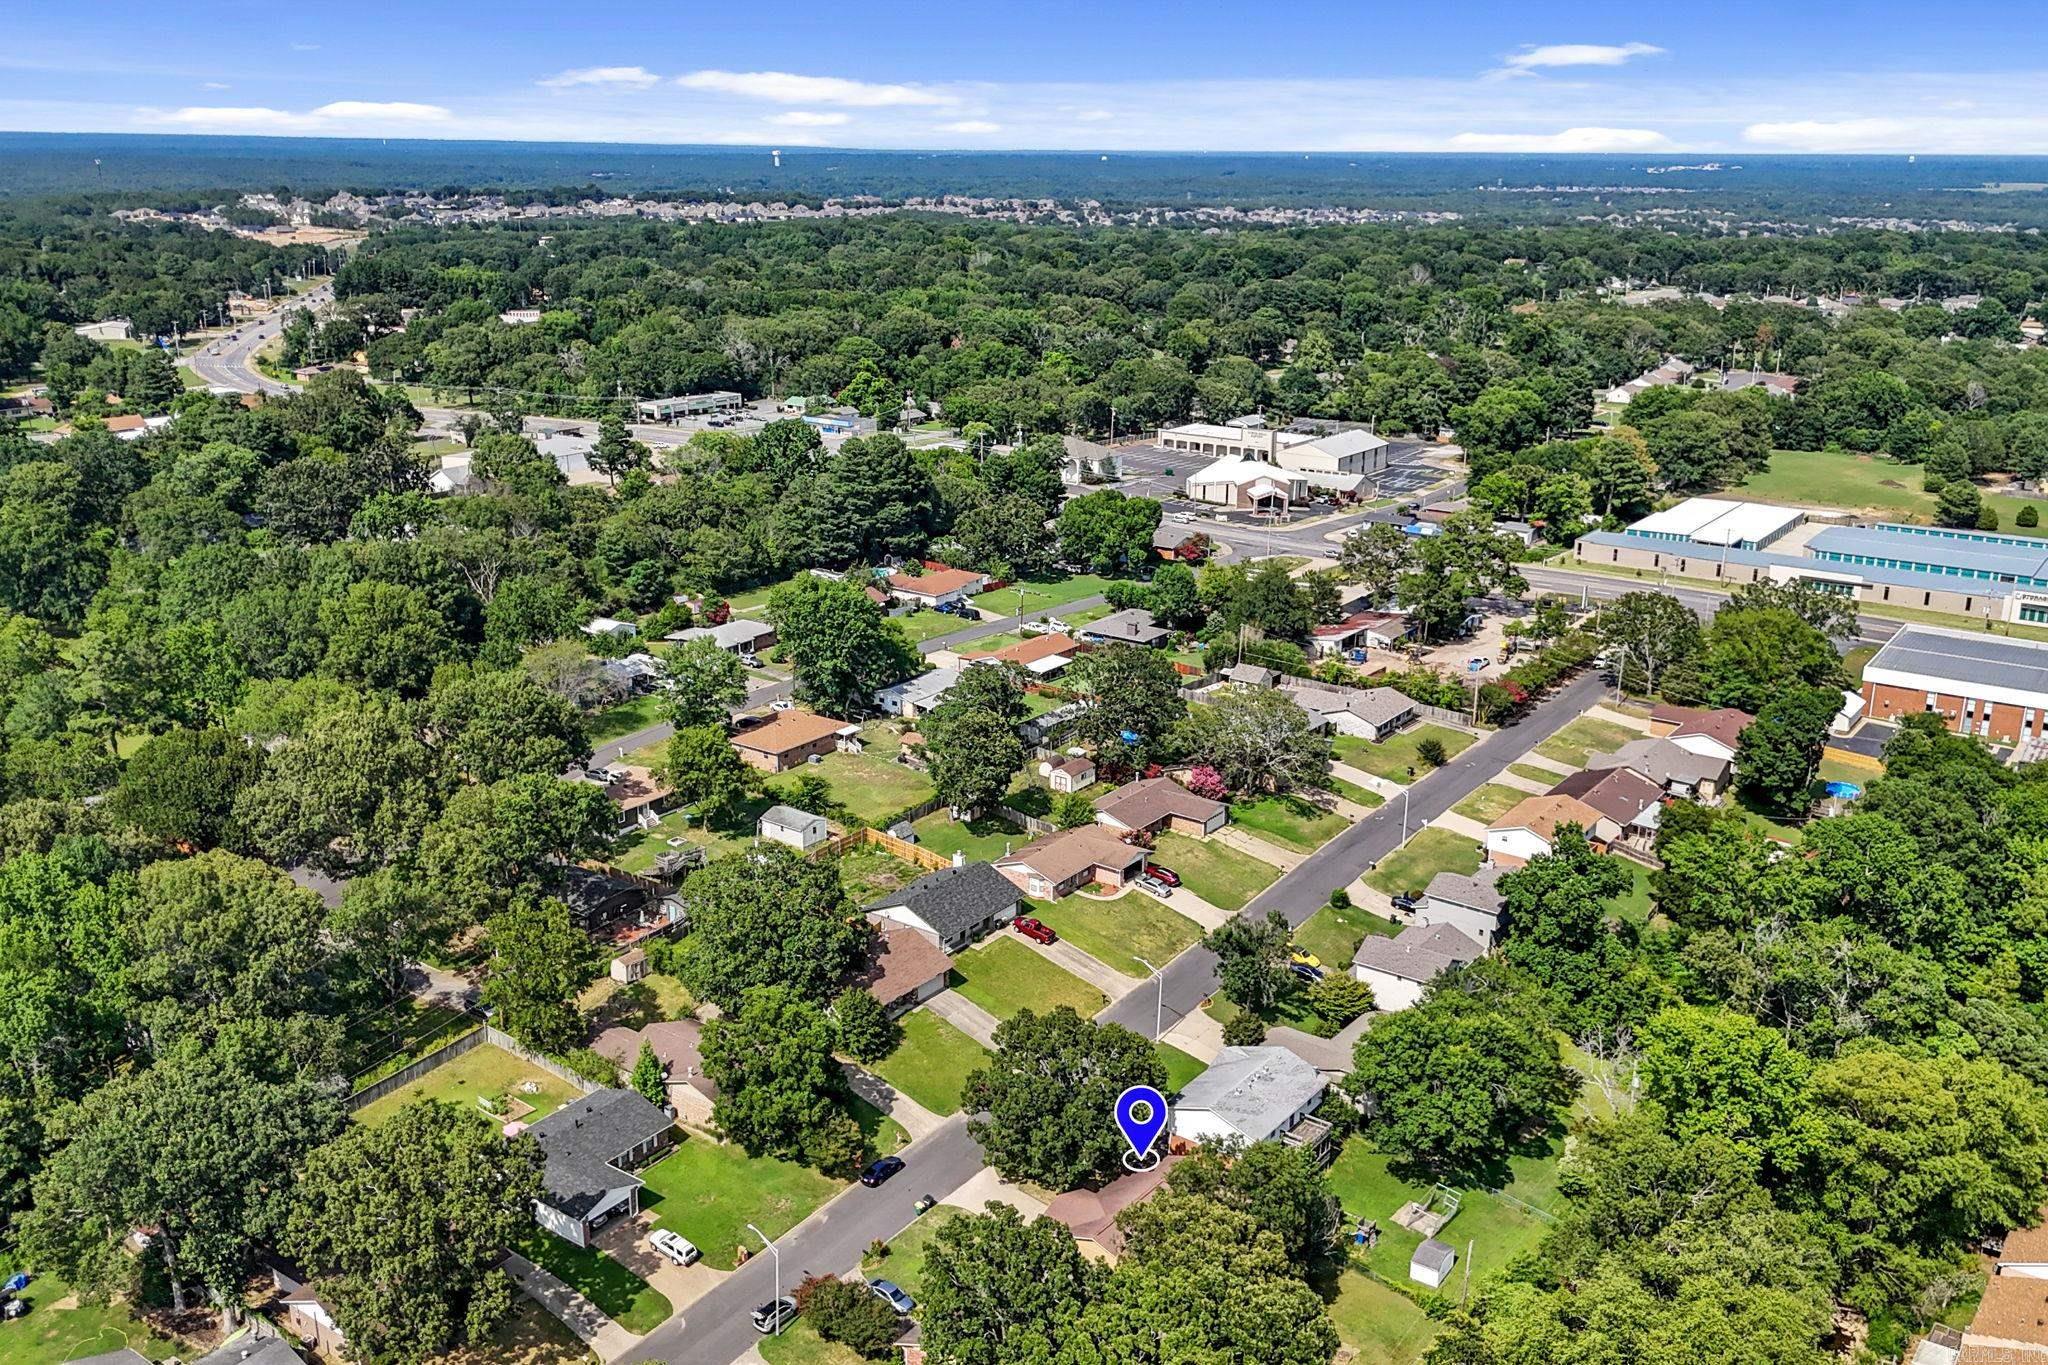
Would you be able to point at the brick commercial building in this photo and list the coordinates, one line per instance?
(1985, 685)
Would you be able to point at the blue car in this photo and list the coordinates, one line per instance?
(879, 1171)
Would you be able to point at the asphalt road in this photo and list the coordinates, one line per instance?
(232, 364)
(715, 1329)
(1190, 978)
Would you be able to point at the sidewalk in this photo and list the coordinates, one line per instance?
(577, 1313)
(1460, 824)
(963, 1014)
(1521, 783)
(1359, 777)
(1248, 843)
(1639, 724)
(917, 1120)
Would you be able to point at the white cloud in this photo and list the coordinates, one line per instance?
(807, 118)
(1532, 59)
(336, 117)
(971, 125)
(783, 87)
(1837, 135)
(1570, 140)
(611, 77)
(213, 85)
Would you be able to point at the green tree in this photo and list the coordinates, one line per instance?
(1126, 689)
(1778, 754)
(493, 845)
(1252, 957)
(384, 636)
(866, 1032)
(1958, 505)
(1283, 1188)
(181, 787)
(848, 1312)
(648, 1077)
(841, 647)
(616, 452)
(705, 771)
(1722, 1074)
(1259, 740)
(53, 556)
(1754, 654)
(1646, 634)
(1375, 558)
(1045, 1099)
(495, 725)
(768, 918)
(1564, 501)
(1107, 532)
(997, 1288)
(973, 755)
(705, 683)
(537, 962)
(1467, 559)
(1337, 999)
(778, 1086)
(405, 1223)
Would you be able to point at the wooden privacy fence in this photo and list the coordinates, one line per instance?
(910, 853)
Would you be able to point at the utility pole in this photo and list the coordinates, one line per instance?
(776, 1252)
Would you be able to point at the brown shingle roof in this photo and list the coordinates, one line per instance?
(1541, 815)
(789, 730)
(1620, 794)
(1091, 1214)
(1725, 725)
(936, 582)
(1031, 650)
(1146, 802)
(1057, 857)
(904, 960)
(675, 1041)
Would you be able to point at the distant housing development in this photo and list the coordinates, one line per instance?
(1979, 574)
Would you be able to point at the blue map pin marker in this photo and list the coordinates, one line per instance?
(1141, 1114)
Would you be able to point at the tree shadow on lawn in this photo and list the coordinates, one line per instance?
(1493, 1173)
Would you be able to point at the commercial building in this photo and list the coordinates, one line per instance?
(1985, 685)
(1258, 468)
(692, 405)
(1979, 574)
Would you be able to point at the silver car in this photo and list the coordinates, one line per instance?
(891, 1293)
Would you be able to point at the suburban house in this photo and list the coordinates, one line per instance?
(1776, 384)
(1681, 772)
(1155, 803)
(1041, 656)
(1172, 538)
(1623, 795)
(1471, 905)
(935, 586)
(1068, 775)
(955, 905)
(1062, 863)
(1332, 1058)
(792, 739)
(127, 425)
(2011, 1322)
(1090, 1215)
(677, 1043)
(301, 1310)
(734, 637)
(1530, 828)
(1398, 968)
(636, 673)
(1250, 675)
(253, 1350)
(1712, 733)
(590, 1146)
(917, 695)
(799, 829)
(604, 627)
(1132, 626)
(1366, 712)
(1431, 1264)
(1360, 630)
(908, 968)
(1254, 1094)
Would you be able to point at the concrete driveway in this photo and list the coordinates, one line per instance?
(626, 1242)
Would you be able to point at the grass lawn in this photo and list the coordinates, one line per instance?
(1634, 905)
(1496, 1227)
(1431, 851)
(51, 1335)
(1839, 765)
(871, 871)
(1180, 1067)
(1383, 1327)
(1354, 793)
(618, 1293)
(1857, 659)
(1585, 737)
(655, 996)
(1490, 802)
(1218, 873)
(1289, 821)
(922, 625)
(983, 840)
(1117, 933)
(639, 850)
(1864, 483)
(871, 785)
(1394, 756)
(884, 1134)
(1535, 774)
(528, 1335)
(623, 719)
(386, 1040)
(1040, 597)
(1764, 821)
(932, 1062)
(1003, 976)
(754, 601)
(1293, 1011)
(800, 1344)
(709, 1193)
(483, 1072)
(1334, 935)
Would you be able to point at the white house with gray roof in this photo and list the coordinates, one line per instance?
(1471, 905)
(1254, 1094)
(736, 636)
(799, 829)
(918, 695)
(1399, 968)
(1132, 626)
(955, 905)
(591, 1146)
(1366, 712)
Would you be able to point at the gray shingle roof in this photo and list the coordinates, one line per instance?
(1434, 1255)
(1964, 657)
(1480, 891)
(245, 1350)
(127, 1355)
(789, 817)
(1376, 706)
(1254, 1089)
(1417, 953)
(954, 899)
(582, 1140)
(1663, 762)
(1132, 626)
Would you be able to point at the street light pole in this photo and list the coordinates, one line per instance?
(1159, 1005)
(776, 1252)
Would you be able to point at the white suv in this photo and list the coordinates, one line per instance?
(675, 1246)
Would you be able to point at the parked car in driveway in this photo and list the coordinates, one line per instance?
(1164, 874)
(891, 1293)
(675, 1247)
(771, 1316)
(1308, 974)
(1033, 930)
(1301, 957)
(879, 1171)
(1408, 900)
(1153, 886)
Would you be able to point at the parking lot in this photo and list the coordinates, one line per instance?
(1156, 472)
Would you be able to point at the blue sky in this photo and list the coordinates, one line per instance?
(1370, 75)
